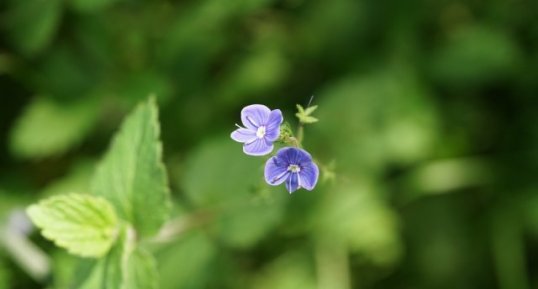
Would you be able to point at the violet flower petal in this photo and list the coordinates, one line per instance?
(254, 116)
(275, 119)
(308, 176)
(276, 172)
(294, 155)
(243, 135)
(258, 147)
(292, 183)
(272, 126)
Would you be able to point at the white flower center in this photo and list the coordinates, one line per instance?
(260, 133)
(294, 168)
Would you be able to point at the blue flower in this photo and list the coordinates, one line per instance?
(293, 166)
(262, 128)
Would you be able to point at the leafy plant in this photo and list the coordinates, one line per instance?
(32, 136)
(128, 204)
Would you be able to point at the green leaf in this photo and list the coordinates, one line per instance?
(47, 128)
(311, 109)
(32, 24)
(141, 271)
(132, 176)
(105, 273)
(126, 266)
(83, 224)
(304, 116)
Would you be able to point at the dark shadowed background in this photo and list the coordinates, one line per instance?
(427, 139)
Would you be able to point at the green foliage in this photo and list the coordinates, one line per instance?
(141, 271)
(394, 121)
(242, 218)
(76, 180)
(132, 176)
(195, 249)
(32, 24)
(362, 221)
(90, 5)
(304, 115)
(83, 224)
(107, 272)
(33, 136)
(65, 266)
(287, 272)
(4, 276)
(489, 54)
(426, 144)
(126, 266)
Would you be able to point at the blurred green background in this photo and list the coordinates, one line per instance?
(428, 136)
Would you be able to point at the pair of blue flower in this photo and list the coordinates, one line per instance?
(291, 165)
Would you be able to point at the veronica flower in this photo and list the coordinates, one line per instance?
(293, 166)
(261, 129)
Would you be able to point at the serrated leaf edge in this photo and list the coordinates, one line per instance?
(60, 243)
(152, 105)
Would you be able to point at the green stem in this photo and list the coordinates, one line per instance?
(300, 133)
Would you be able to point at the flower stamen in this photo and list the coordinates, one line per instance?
(294, 168)
(260, 133)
